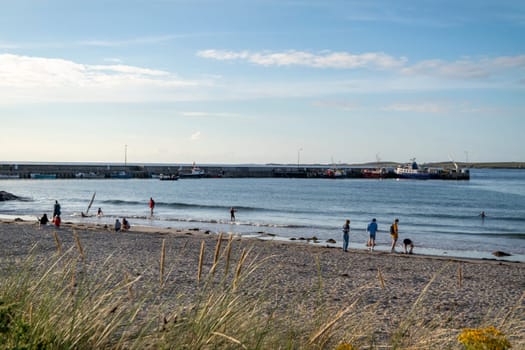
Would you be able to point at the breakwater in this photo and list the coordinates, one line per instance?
(95, 170)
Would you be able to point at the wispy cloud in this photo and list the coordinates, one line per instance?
(210, 114)
(465, 68)
(417, 108)
(338, 60)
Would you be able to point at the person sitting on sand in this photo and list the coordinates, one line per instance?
(407, 243)
(125, 224)
(117, 225)
(43, 220)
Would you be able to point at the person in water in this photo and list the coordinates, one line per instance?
(232, 214)
(151, 205)
(56, 209)
(99, 212)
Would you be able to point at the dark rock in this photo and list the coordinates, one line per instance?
(500, 253)
(6, 196)
(331, 240)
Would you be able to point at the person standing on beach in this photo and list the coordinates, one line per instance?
(99, 212)
(232, 214)
(394, 234)
(56, 209)
(346, 235)
(151, 205)
(372, 230)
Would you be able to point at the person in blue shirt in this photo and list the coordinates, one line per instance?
(346, 235)
(372, 229)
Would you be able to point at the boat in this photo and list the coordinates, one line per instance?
(168, 177)
(195, 173)
(43, 176)
(412, 171)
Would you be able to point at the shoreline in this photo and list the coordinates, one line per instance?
(306, 240)
(450, 294)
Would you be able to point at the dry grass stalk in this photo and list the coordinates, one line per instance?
(228, 255)
(129, 285)
(79, 245)
(330, 324)
(381, 279)
(239, 268)
(162, 258)
(233, 340)
(460, 275)
(57, 242)
(216, 255)
(201, 259)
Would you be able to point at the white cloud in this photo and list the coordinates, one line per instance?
(210, 114)
(37, 79)
(195, 136)
(417, 108)
(336, 60)
(466, 68)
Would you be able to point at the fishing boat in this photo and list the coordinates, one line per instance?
(195, 173)
(412, 171)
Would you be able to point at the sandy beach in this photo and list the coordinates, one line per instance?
(427, 299)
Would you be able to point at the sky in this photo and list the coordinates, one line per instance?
(262, 81)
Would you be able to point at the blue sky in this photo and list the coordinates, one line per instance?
(263, 81)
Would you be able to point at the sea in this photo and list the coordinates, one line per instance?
(441, 217)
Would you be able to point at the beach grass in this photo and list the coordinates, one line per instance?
(61, 301)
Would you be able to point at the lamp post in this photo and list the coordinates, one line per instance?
(299, 156)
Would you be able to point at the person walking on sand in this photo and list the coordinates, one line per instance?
(394, 234)
(346, 235)
(56, 209)
(151, 205)
(372, 230)
(232, 214)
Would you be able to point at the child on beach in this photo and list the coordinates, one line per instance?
(43, 220)
(57, 221)
(117, 225)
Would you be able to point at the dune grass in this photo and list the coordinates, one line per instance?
(62, 302)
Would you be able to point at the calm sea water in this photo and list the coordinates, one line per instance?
(441, 217)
